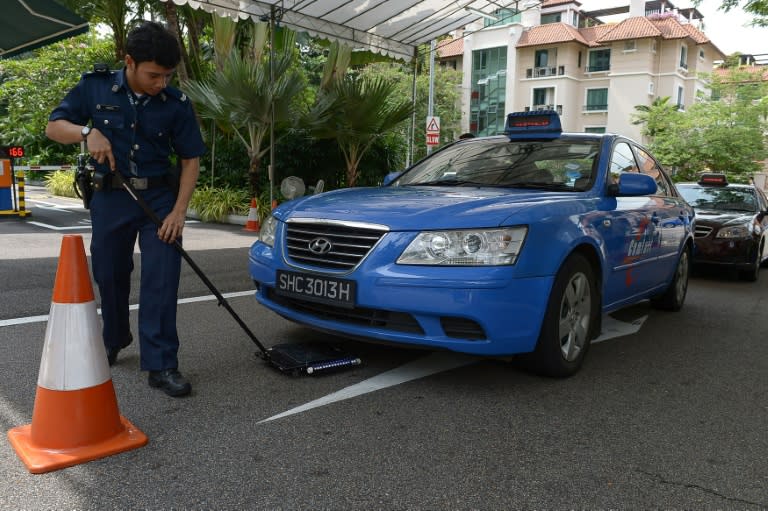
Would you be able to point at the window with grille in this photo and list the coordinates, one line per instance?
(597, 99)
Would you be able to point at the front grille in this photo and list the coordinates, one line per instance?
(349, 244)
(377, 318)
(462, 328)
(702, 231)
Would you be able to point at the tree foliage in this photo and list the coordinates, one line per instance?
(248, 94)
(356, 111)
(446, 101)
(30, 88)
(724, 133)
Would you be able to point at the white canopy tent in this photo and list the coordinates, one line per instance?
(391, 27)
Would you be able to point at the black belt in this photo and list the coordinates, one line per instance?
(147, 183)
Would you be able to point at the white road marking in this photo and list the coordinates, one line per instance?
(86, 224)
(193, 299)
(434, 363)
(65, 208)
(615, 328)
(57, 228)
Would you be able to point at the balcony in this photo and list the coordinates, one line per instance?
(556, 108)
(598, 68)
(541, 72)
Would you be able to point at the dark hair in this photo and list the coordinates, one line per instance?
(466, 135)
(152, 42)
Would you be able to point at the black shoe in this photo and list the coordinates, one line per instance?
(112, 352)
(171, 381)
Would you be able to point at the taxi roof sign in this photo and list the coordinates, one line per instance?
(534, 124)
(713, 179)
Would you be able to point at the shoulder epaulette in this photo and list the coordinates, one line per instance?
(175, 93)
(99, 74)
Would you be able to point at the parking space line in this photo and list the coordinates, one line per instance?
(192, 299)
(57, 228)
(612, 327)
(436, 362)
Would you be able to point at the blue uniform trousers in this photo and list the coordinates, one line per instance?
(117, 220)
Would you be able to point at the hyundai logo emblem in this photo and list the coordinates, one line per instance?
(320, 246)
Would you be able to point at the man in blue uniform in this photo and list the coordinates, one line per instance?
(131, 122)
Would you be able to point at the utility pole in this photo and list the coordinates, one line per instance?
(431, 100)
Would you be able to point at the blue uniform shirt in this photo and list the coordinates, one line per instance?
(145, 130)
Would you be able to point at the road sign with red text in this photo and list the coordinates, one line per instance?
(433, 130)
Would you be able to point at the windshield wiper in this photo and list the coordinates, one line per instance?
(538, 185)
(447, 182)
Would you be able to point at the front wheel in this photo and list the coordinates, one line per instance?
(751, 274)
(569, 321)
(674, 297)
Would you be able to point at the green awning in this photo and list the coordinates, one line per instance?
(29, 24)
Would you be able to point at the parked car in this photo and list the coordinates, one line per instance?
(493, 246)
(731, 223)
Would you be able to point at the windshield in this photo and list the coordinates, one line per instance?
(558, 164)
(721, 199)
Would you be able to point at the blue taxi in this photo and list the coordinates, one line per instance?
(494, 246)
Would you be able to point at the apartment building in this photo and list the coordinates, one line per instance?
(554, 55)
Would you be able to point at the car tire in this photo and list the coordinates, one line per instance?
(751, 274)
(673, 298)
(570, 320)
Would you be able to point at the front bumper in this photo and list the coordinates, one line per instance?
(476, 310)
(737, 254)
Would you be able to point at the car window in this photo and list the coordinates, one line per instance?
(649, 166)
(762, 204)
(560, 164)
(729, 198)
(622, 160)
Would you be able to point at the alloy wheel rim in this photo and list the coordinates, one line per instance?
(575, 308)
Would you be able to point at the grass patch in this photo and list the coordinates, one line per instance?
(213, 204)
(60, 183)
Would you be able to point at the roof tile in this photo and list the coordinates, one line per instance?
(450, 48)
(631, 28)
(550, 33)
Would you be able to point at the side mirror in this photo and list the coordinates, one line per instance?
(633, 184)
(390, 177)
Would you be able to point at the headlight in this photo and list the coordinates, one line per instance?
(478, 247)
(267, 231)
(735, 232)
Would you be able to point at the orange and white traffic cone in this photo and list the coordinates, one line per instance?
(252, 224)
(75, 418)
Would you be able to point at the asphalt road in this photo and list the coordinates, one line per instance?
(670, 417)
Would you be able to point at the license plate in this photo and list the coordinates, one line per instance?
(315, 288)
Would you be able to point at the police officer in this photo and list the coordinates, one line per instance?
(131, 122)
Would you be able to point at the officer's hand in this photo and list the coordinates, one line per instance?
(172, 226)
(100, 148)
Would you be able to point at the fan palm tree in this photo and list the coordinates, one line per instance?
(356, 111)
(240, 96)
(653, 116)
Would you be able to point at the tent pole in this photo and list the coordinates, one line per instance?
(431, 99)
(271, 170)
(213, 151)
(412, 138)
